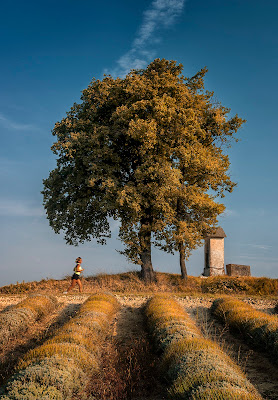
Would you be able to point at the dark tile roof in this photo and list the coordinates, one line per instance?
(218, 233)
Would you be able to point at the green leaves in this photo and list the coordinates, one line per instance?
(146, 147)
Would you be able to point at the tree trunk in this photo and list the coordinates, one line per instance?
(182, 262)
(147, 272)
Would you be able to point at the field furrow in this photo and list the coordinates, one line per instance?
(195, 367)
(129, 365)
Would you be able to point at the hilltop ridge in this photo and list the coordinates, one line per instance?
(130, 282)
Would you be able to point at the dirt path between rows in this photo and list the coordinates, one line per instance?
(130, 332)
(129, 370)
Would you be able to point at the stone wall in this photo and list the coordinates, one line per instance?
(238, 270)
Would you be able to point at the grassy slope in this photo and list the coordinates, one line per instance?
(130, 283)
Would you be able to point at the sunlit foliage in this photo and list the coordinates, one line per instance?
(147, 150)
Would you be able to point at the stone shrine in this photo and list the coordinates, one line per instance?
(214, 253)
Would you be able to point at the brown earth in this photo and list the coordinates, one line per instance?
(128, 358)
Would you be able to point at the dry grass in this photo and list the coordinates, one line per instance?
(59, 368)
(130, 282)
(258, 328)
(244, 285)
(195, 367)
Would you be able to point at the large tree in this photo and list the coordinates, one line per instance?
(147, 150)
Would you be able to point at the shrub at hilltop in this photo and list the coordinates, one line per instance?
(246, 285)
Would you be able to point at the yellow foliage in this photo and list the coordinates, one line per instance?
(223, 391)
(21, 316)
(86, 341)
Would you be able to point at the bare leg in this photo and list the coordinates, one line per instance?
(73, 283)
(80, 285)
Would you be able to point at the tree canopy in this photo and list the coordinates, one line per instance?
(148, 150)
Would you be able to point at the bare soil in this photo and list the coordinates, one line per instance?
(131, 329)
(130, 367)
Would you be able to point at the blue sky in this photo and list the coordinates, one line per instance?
(50, 51)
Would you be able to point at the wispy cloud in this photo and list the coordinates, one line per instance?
(259, 246)
(230, 213)
(8, 123)
(160, 15)
(13, 208)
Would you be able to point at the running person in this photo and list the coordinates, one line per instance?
(75, 279)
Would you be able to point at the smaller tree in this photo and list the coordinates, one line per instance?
(204, 169)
